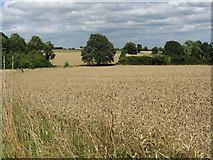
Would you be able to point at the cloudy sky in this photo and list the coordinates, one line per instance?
(69, 24)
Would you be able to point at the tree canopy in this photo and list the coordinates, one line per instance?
(99, 50)
(155, 50)
(130, 48)
(145, 48)
(173, 48)
(139, 47)
(33, 54)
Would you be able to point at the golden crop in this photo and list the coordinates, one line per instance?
(108, 112)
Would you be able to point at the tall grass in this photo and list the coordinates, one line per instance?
(30, 133)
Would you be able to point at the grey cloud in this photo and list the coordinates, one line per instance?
(70, 24)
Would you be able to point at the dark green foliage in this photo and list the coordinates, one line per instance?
(207, 49)
(155, 50)
(66, 64)
(35, 45)
(48, 51)
(99, 50)
(145, 48)
(22, 55)
(123, 54)
(136, 60)
(33, 61)
(177, 60)
(173, 48)
(130, 48)
(160, 59)
(139, 47)
(16, 43)
(189, 60)
(161, 49)
(163, 60)
(198, 49)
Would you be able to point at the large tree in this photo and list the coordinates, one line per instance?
(173, 48)
(99, 50)
(145, 48)
(155, 50)
(16, 44)
(197, 49)
(48, 50)
(139, 47)
(130, 48)
(35, 45)
(18, 54)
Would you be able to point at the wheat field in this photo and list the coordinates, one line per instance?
(108, 112)
(73, 57)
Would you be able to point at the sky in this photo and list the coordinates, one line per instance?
(69, 24)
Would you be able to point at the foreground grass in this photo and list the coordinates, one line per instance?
(30, 133)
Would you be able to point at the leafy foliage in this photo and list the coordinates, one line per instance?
(160, 59)
(48, 50)
(198, 49)
(139, 47)
(130, 48)
(66, 64)
(123, 54)
(173, 48)
(136, 60)
(35, 45)
(145, 48)
(33, 54)
(155, 50)
(99, 50)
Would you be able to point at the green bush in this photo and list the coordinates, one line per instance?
(192, 60)
(160, 60)
(19, 54)
(32, 61)
(66, 64)
(177, 60)
(136, 60)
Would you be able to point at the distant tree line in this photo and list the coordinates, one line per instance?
(191, 53)
(16, 53)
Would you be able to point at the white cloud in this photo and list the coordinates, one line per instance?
(70, 24)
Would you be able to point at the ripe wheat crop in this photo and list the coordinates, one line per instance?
(73, 57)
(108, 112)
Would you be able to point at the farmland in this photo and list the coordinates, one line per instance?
(111, 111)
(73, 57)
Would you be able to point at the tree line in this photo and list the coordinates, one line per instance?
(99, 50)
(16, 53)
(191, 52)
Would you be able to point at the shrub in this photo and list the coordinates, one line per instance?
(192, 60)
(160, 60)
(32, 61)
(155, 50)
(130, 48)
(173, 48)
(66, 64)
(178, 60)
(136, 60)
(123, 54)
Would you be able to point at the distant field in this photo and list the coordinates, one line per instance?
(108, 112)
(142, 53)
(73, 57)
